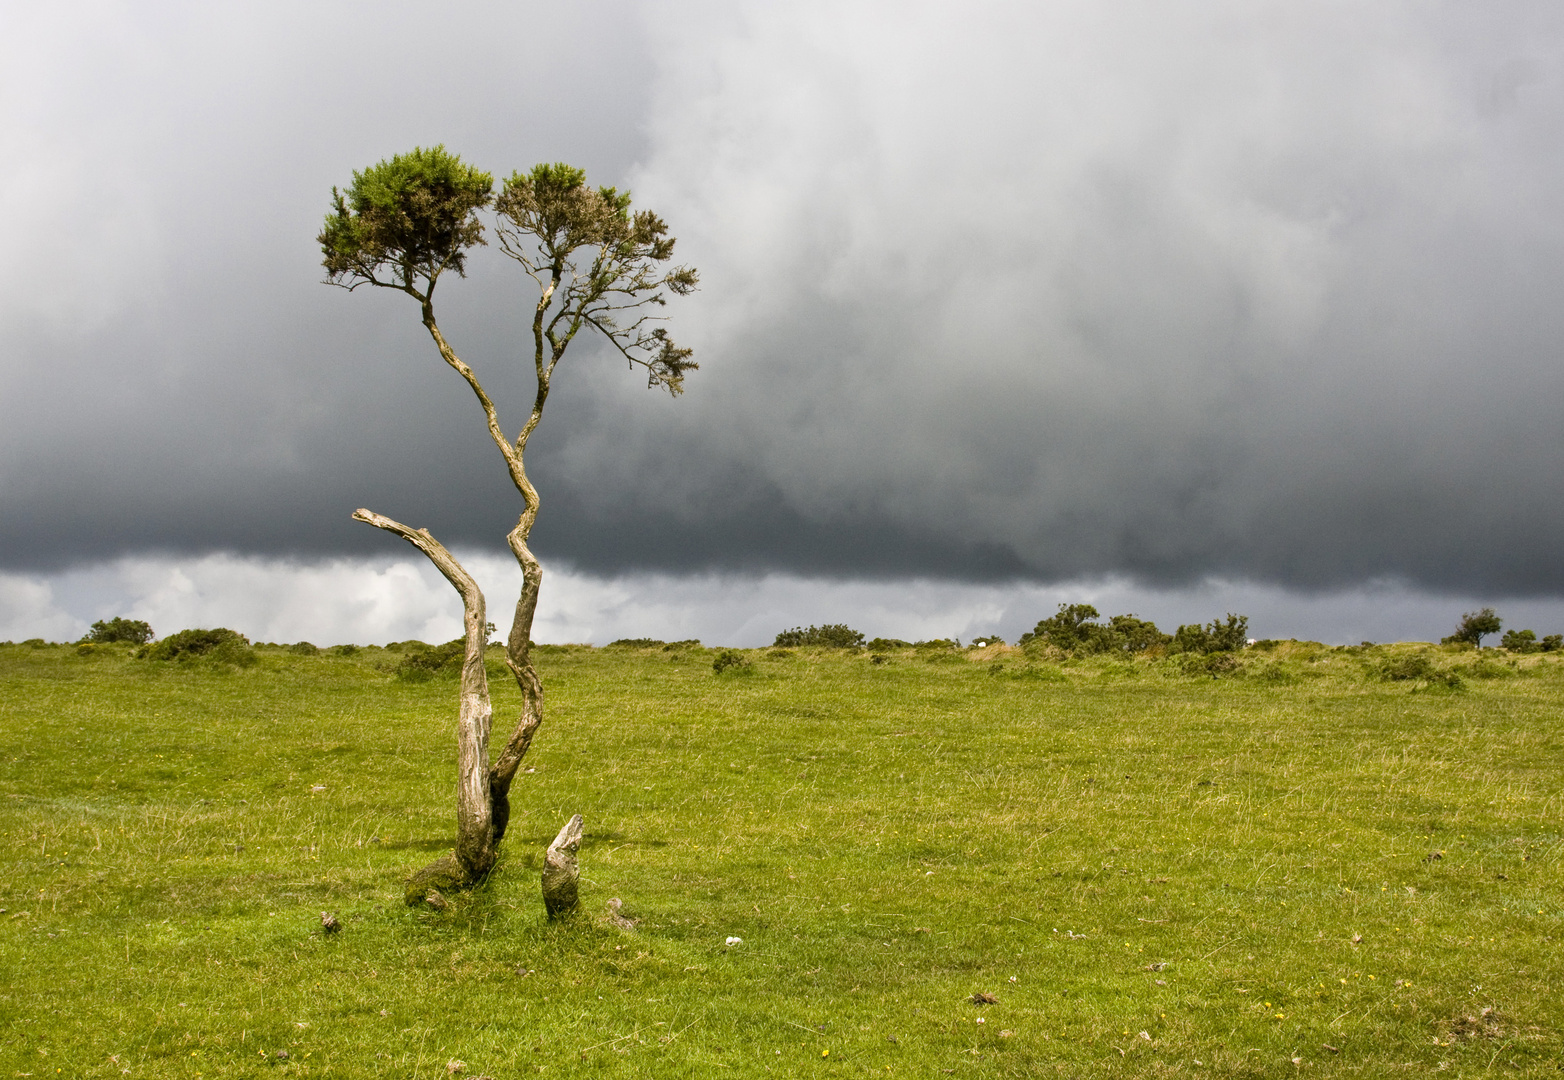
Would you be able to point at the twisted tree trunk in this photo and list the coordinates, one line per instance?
(477, 839)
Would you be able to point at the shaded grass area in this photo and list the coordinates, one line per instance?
(1153, 872)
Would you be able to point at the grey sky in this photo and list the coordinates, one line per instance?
(1263, 292)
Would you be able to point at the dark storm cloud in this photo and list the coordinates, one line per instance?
(1258, 291)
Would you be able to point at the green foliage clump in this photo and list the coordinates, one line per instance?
(414, 215)
(687, 643)
(1072, 630)
(1215, 637)
(936, 644)
(881, 644)
(426, 661)
(1475, 625)
(304, 648)
(1553, 643)
(832, 636)
(730, 660)
(637, 643)
(220, 645)
(131, 631)
(344, 650)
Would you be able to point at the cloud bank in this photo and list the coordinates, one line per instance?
(1089, 291)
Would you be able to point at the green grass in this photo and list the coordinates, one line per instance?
(1247, 869)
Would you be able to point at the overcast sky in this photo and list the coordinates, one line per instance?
(1000, 299)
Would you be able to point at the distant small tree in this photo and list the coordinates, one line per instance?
(1553, 643)
(1475, 625)
(598, 266)
(132, 631)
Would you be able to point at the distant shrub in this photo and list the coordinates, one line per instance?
(1521, 641)
(882, 644)
(1215, 637)
(832, 636)
(303, 648)
(1072, 630)
(221, 645)
(730, 660)
(1065, 629)
(426, 661)
(1404, 668)
(637, 643)
(1214, 664)
(1553, 643)
(687, 643)
(344, 650)
(780, 654)
(133, 631)
(1474, 626)
(936, 644)
(35, 642)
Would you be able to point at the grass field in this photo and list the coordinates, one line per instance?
(1297, 866)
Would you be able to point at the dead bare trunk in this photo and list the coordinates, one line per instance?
(561, 871)
(476, 836)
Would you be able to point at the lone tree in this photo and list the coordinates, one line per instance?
(597, 265)
(1475, 625)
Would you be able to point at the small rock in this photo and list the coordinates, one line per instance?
(282, 1055)
(329, 923)
(436, 901)
(984, 999)
(523, 971)
(732, 941)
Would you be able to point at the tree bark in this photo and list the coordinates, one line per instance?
(476, 839)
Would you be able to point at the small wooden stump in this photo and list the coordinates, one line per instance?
(617, 918)
(561, 872)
